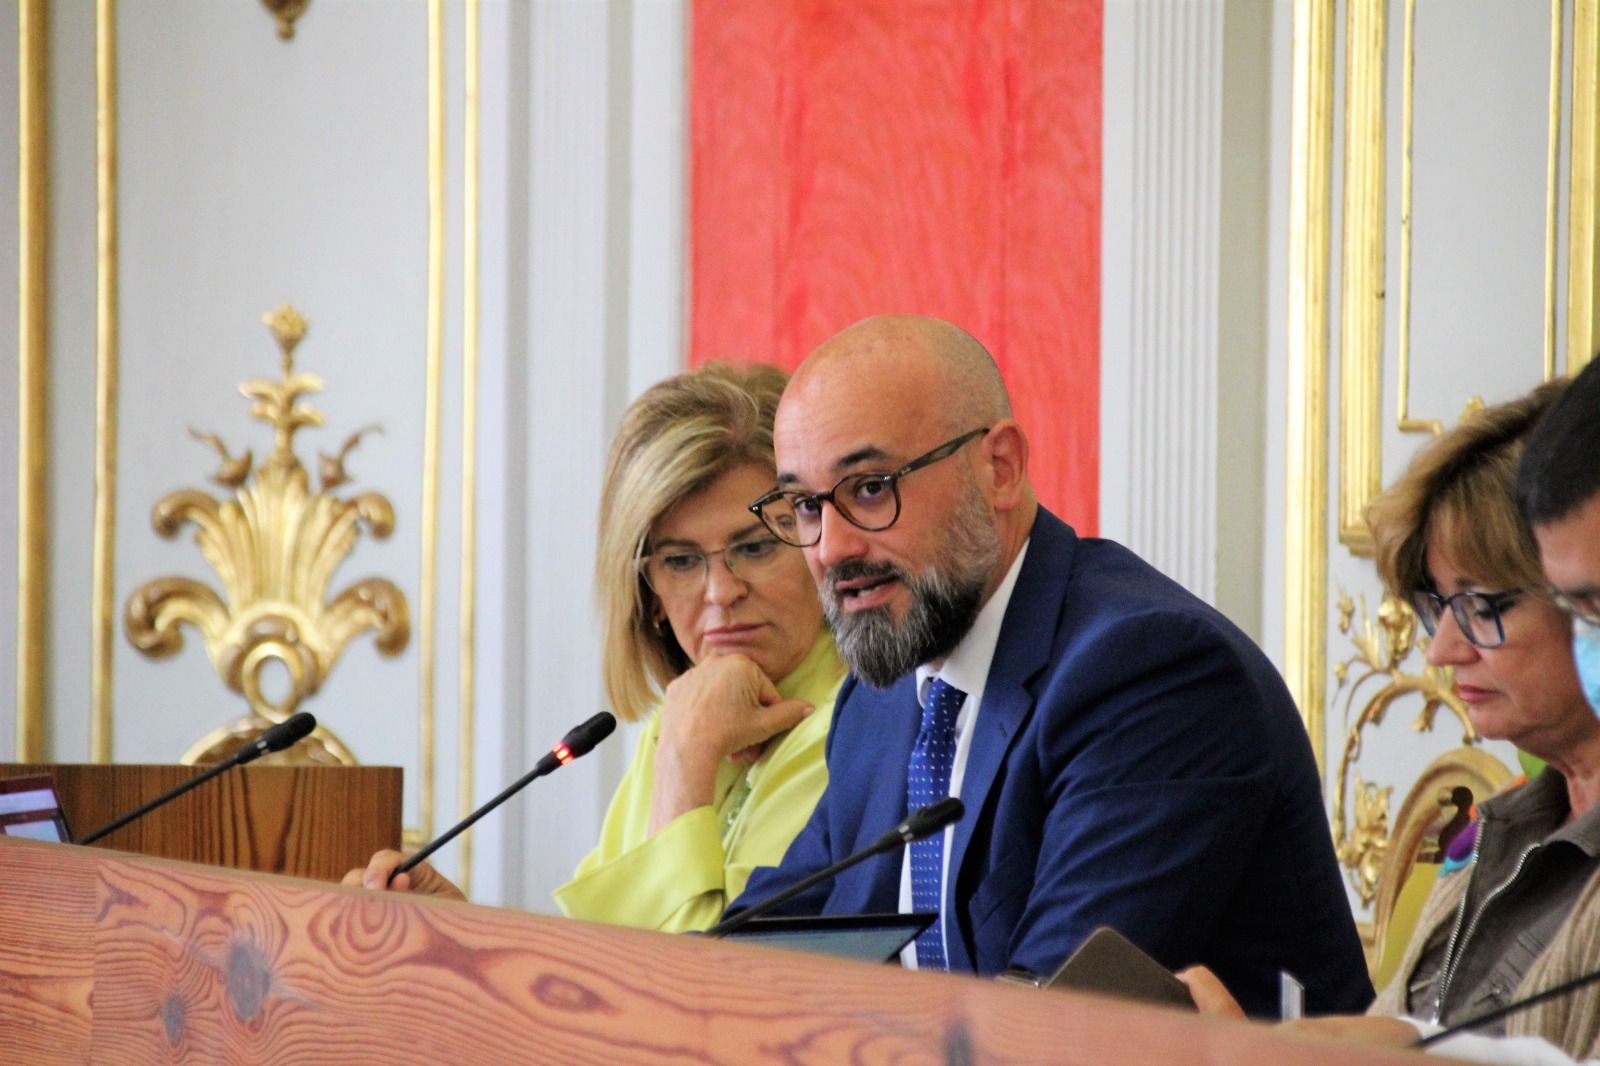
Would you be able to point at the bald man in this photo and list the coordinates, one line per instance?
(1126, 756)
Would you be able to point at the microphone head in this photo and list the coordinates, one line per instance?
(286, 734)
(582, 739)
(928, 820)
(290, 731)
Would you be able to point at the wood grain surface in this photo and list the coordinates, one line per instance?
(123, 959)
(308, 821)
(942, 157)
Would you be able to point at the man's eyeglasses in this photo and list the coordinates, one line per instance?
(869, 501)
(681, 570)
(1477, 614)
(1584, 606)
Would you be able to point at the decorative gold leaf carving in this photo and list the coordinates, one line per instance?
(1382, 647)
(275, 546)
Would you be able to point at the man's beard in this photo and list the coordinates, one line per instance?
(945, 599)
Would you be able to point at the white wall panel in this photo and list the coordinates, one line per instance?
(254, 172)
(71, 346)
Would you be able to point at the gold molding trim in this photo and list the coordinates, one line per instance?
(434, 375)
(469, 442)
(33, 281)
(1406, 422)
(1306, 468)
(1361, 296)
(102, 633)
(1583, 220)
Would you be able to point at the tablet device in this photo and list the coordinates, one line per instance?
(870, 937)
(1109, 964)
(29, 808)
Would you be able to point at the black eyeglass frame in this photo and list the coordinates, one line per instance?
(1460, 608)
(891, 477)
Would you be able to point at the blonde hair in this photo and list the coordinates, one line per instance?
(677, 438)
(1462, 488)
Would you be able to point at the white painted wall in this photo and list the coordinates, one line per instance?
(603, 303)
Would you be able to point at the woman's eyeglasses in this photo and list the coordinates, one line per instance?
(681, 570)
(1477, 614)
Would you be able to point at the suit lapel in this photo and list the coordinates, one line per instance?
(890, 722)
(1024, 647)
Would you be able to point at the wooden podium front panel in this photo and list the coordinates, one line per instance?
(116, 958)
(306, 821)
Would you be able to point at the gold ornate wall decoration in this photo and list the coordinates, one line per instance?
(275, 546)
(1305, 537)
(1382, 647)
(285, 12)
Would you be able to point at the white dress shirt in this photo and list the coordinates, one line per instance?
(966, 668)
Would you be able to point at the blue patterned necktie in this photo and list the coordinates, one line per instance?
(928, 780)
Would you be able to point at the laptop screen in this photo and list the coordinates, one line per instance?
(29, 808)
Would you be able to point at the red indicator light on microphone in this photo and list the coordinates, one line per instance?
(562, 753)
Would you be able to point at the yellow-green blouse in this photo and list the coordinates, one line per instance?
(683, 877)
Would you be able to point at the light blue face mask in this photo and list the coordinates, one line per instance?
(1586, 650)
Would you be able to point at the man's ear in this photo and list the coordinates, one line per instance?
(1006, 451)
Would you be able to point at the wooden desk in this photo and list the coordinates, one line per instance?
(309, 821)
(117, 958)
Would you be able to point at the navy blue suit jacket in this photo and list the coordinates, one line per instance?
(1137, 763)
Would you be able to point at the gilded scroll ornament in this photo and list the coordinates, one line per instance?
(275, 546)
(1382, 648)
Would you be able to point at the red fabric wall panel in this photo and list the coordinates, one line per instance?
(853, 157)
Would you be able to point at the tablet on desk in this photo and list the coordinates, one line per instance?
(29, 808)
(870, 937)
(1109, 964)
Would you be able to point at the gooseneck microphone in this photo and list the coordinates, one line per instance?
(576, 744)
(1554, 992)
(925, 821)
(285, 734)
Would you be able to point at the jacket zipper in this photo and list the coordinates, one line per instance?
(1451, 959)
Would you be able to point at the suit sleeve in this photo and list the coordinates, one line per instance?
(1151, 814)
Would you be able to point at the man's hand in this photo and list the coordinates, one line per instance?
(1210, 996)
(724, 708)
(421, 879)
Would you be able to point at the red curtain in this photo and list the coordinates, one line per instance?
(942, 157)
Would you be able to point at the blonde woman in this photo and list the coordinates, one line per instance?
(714, 638)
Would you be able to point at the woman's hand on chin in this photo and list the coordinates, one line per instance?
(723, 708)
